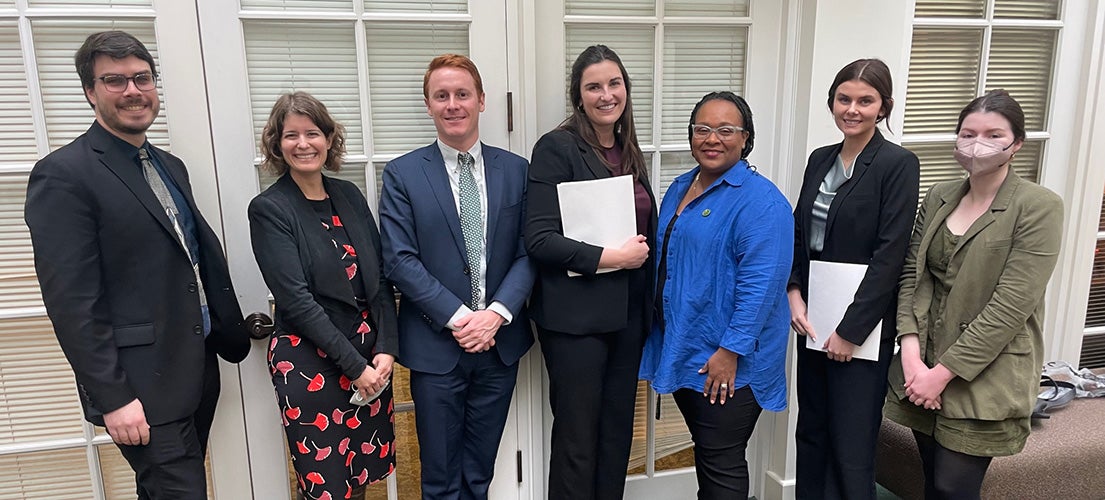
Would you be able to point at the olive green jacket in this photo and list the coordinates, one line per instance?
(989, 334)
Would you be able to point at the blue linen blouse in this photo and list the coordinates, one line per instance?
(728, 263)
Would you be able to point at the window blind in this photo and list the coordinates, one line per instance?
(950, 8)
(396, 64)
(424, 6)
(17, 139)
(1021, 62)
(299, 5)
(18, 282)
(67, 112)
(635, 46)
(38, 397)
(670, 435)
(610, 8)
(1027, 9)
(55, 474)
(706, 8)
(691, 69)
(943, 77)
(87, 3)
(316, 57)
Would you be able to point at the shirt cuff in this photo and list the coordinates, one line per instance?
(499, 308)
(462, 311)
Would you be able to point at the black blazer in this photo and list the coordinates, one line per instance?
(118, 286)
(582, 304)
(314, 297)
(870, 221)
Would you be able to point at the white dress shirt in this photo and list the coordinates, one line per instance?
(452, 168)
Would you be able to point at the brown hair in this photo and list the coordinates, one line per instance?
(633, 161)
(452, 61)
(872, 72)
(300, 103)
(997, 101)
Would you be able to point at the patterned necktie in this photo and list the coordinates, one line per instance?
(471, 224)
(161, 191)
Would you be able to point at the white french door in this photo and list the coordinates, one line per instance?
(365, 60)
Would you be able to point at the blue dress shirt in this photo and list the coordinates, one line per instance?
(728, 261)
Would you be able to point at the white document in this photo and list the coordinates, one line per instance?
(599, 212)
(833, 286)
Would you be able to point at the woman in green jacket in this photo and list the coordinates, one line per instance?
(971, 305)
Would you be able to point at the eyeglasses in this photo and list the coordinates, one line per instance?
(118, 83)
(724, 132)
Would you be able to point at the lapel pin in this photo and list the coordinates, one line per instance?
(706, 213)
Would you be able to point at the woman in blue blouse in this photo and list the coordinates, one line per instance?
(720, 343)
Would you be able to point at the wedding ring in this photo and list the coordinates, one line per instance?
(724, 386)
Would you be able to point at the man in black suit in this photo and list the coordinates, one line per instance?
(133, 278)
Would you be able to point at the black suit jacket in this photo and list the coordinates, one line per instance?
(314, 297)
(582, 304)
(119, 287)
(869, 222)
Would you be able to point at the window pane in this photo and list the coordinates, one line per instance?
(706, 8)
(1020, 62)
(1095, 306)
(116, 473)
(17, 136)
(90, 3)
(67, 112)
(1028, 160)
(1093, 352)
(953, 8)
(1101, 220)
(396, 64)
(670, 433)
(610, 8)
(634, 45)
(698, 60)
(943, 77)
(38, 396)
(299, 5)
(673, 165)
(319, 58)
(1026, 9)
(18, 282)
(424, 6)
(54, 474)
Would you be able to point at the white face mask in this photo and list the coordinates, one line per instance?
(978, 155)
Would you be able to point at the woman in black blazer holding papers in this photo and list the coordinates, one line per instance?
(591, 327)
(319, 251)
(857, 204)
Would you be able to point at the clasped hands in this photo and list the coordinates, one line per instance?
(925, 385)
(375, 375)
(476, 331)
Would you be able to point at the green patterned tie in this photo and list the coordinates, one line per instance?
(471, 224)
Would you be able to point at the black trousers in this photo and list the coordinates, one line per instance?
(592, 391)
(171, 466)
(460, 417)
(839, 414)
(720, 433)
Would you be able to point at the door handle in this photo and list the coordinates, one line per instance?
(260, 324)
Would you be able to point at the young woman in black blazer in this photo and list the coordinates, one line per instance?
(591, 327)
(319, 252)
(857, 205)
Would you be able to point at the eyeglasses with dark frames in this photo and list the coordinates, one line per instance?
(724, 132)
(118, 83)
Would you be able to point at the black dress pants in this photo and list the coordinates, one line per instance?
(839, 414)
(720, 433)
(171, 466)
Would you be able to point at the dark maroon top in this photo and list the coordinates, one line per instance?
(642, 202)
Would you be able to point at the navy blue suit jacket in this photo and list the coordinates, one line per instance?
(425, 256)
